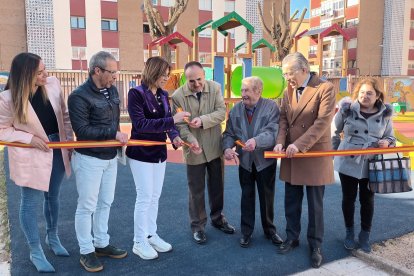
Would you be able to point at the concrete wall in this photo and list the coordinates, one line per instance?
(370, 34)
(131, 56)
(63, 49)
(187, 22)
(12, 31)
(93, 27)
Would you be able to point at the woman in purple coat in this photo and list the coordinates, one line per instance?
(151, 119)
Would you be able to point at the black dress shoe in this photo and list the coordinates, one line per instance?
(200, 237)
(276, 240)
(316, 258)
(224, 227)
(245, 241)
(288, 245)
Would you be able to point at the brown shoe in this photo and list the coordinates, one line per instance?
(110, 251)
(90, 262)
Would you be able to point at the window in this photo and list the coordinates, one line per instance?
(352, 43)
(204, 5)
(146, 56)
(146, 28)
(79, 53)
(410, 66)
(155, 2)
(352, 22)
(205, 57)
(205, 33)
(232, 33)
(113, 51)
(352, 2)
(77, 22)
(325, 24)
(229, 6)
(412, 24)
(313, 49)
(167, 3)
(315, 12)
(109, 24)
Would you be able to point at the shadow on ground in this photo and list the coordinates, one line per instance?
(222, 254)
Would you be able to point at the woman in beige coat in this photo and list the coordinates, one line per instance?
(33, 111)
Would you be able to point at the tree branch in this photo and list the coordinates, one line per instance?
(175, 12)
(262, 21)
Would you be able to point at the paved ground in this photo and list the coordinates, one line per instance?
(221, 255)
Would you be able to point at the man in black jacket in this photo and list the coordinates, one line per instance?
(94, 114)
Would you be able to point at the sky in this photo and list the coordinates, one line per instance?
(299, 5)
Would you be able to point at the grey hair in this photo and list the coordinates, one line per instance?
(255, 82)
(99, 60)
(297, 60)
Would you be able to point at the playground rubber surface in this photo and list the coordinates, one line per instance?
(221, 255)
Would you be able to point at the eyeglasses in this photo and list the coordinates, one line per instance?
(110, 72)
(289, 74)
(196, 80)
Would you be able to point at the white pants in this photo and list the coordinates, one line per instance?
(148, 178)
(95, 182)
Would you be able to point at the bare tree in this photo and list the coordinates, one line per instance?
(280, 31)
(157, 25)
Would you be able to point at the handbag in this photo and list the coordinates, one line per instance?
(391, 175)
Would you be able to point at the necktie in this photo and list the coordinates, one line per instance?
(249, 113)
(299, 92)
(198, 96)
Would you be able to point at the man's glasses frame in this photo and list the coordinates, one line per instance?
(109, 71)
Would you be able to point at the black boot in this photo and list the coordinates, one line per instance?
(364, 241)
(349, 242)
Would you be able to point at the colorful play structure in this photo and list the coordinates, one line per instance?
(229, 74)
(223, 69)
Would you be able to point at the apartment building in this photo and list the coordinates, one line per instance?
(65, 33)
(398, 42)
(381, 36)
(363, 23)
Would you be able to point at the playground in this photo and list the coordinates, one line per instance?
(231, 65)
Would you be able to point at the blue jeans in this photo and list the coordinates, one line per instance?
(31, 199)
(95, 182)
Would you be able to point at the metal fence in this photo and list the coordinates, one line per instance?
(70, 80)
(398, 89)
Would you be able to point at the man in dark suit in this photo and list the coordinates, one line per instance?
(307, 109)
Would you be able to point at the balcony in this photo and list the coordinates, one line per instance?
(332, 15)
(332, 54)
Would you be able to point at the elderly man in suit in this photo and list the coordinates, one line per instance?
(255, 122)
(307, 109)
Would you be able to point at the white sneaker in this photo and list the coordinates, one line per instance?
(144, 250)
(159, 244)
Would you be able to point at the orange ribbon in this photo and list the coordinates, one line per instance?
(240, 143)
(88, 144)
(179, 109)
(272, 154)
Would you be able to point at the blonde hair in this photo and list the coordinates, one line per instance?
(22, 75)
